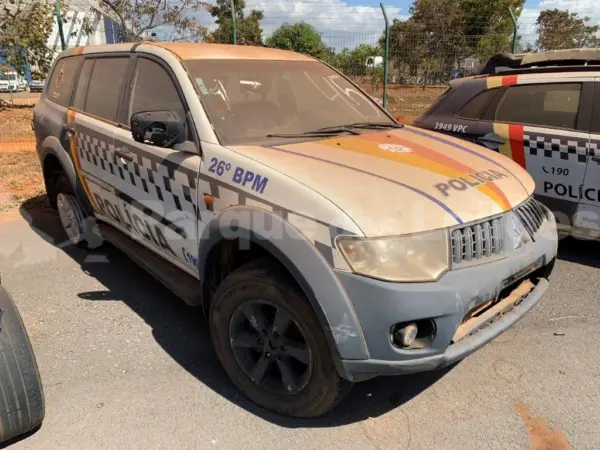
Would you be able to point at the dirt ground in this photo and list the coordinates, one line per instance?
(20, 172)
(407, 103)
(20, 178)
(15, 124)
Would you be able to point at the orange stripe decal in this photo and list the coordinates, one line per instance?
(513, 147)
(73, 148)
(419, 156)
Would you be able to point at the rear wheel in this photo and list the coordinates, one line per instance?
(78, 228)
(271, 344)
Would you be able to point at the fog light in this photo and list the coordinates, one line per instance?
(406, 335)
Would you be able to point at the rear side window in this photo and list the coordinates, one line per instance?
(153, 90)
(62, 79)
(551, 105)
(475, 108)
(82, 84)
(104, 89)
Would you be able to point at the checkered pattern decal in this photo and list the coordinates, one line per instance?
(566, 148)
(175, 186)
(159, 179)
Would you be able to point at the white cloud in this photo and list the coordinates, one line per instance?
(585, 8)
(581, 7)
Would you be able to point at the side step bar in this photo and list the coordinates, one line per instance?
(185, 286)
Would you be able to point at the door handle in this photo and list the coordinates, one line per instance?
(124, 153)
(497, 140)
(68, 129)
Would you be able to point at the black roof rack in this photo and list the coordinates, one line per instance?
(551, 61)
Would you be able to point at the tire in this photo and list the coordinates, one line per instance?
(322, 388)
(21, 395)
(87, 235)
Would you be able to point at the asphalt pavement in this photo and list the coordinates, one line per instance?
(126, 365)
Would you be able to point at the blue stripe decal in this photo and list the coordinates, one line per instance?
(418, 191)
(458, 146)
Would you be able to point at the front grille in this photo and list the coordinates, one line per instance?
(481, 240)
(532, 215)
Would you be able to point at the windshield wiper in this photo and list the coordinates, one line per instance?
(360, 125)
(316, 133)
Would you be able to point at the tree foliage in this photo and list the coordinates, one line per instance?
(441, 33)
(248, 30)
(172, 19)
(562, 29)
(299, 37)
(25, 27)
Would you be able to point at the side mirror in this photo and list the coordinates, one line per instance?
(160, 128)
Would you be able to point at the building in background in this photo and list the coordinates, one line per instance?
(85, 24)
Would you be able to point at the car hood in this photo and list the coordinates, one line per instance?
(402, 180)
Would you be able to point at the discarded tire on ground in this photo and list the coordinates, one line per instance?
(21, 394)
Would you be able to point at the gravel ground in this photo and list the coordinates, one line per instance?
(126, 365)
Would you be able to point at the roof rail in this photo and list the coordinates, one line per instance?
(504, 62)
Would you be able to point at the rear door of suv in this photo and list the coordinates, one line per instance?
(92, 120)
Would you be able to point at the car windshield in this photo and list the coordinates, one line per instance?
(8, 76)
(246, 100)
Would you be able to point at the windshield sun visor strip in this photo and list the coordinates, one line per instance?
(355, 169)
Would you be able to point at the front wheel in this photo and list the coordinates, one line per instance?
(272, 345)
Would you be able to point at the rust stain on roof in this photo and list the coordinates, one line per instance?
(542, 436)
(191, 51)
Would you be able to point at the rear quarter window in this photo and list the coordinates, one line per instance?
(60, 84)
(474, 109)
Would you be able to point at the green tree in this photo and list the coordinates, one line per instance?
(248, 30)
(562, 29)
(487, 25)
(299, 37)
(175, 20)
(25, 28)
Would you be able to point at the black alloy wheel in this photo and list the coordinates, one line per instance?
(270, 347)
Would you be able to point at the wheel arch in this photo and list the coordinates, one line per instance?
(55, 158)
(273, 236)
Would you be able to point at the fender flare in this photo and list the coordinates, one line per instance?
(52, 146)
(304, 262)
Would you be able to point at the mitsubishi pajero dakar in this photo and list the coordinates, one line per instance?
(326, 243)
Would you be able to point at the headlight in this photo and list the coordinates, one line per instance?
(410, 258)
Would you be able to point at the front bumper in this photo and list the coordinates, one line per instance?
(379, 305)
